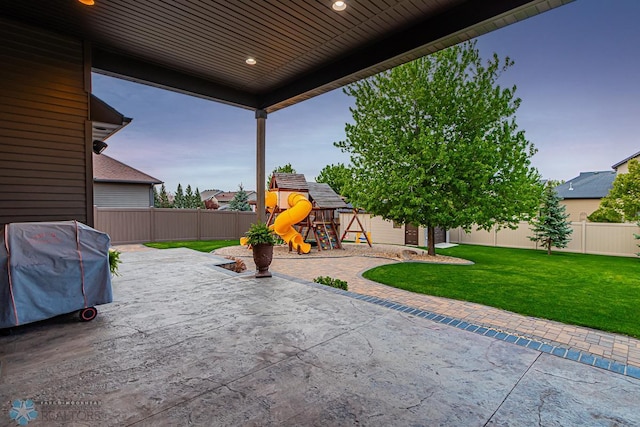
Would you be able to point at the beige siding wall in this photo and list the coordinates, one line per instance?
(580, 209)
(110, 195)
(623, 168)
(43, 125)
(131, 225)
(587, 237)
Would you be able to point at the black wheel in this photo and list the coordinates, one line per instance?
(88, 314)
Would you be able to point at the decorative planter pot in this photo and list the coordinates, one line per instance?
(262, 256)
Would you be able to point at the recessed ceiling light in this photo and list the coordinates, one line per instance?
(87, 2)
(251, 61)
(339, 5)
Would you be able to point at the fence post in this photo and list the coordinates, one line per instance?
(152, 224)
(583, 243)
(199, 218)
(237, 224)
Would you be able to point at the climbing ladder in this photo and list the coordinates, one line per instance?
(327, 236)
(326, 230)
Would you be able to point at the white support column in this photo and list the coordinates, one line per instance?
(261, 119)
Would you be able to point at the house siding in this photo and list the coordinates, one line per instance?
(44, 113)
(122, 195)
(580, 209)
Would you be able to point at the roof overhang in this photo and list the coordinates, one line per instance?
(105, 120)
(303, 48)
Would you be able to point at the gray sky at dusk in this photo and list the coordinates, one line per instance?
(577, 70)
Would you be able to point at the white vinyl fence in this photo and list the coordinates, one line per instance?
(587, 238)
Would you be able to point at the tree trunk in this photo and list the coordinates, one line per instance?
(549, 242)
(431, 240)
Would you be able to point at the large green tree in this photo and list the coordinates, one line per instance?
(550, 225)
(435, 142)
(622, 204)
(240, 201)
(336, 176)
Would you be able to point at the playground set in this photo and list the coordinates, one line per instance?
(301, 212)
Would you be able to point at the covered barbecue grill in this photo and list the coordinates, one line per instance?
(52, 268)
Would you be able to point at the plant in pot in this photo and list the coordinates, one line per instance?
(261, 240)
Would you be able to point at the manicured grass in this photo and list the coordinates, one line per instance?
(601, 292)
(196, 245)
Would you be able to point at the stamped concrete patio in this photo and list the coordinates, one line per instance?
(187, 343)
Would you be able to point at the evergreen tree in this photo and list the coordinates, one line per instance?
(550, 226)
(197, 200)
(163, 198)
(178, 200)
(240, 201)
(188, 198)
(156, 197)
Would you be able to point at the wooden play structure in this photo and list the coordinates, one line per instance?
(359, 230)
(318, 225)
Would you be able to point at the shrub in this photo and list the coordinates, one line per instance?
(330, 281)
(114, 260)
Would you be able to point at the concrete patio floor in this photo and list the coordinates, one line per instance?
(187, 343)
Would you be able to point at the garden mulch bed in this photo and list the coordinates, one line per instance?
(397, 252)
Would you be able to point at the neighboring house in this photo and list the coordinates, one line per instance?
(623, 166)
(581, 195)
(209, 199)
(225, 197)
(117, 185)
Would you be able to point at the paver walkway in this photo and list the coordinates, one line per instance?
(611, 346)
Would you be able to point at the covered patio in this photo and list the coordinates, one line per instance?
(259, 55)
(188, 343)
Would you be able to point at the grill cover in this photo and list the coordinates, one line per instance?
(51, 268)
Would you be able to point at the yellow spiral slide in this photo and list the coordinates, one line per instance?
(299, 208)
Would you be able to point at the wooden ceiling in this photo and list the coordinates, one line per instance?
(302, 47)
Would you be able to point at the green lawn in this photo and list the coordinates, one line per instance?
(601, 292)
(196, 245)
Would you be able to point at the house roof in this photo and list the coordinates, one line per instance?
(622, 162)
(107, 169)
(324, 197)
(208, 194)
(588, 185)
(227, 196)
(289, 181)
(303, 48)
